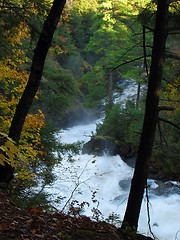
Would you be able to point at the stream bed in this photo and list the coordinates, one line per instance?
(109, 178)
(104, 182)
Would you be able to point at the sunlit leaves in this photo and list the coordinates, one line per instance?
(13, 80)
(171, 86)
(9, 152)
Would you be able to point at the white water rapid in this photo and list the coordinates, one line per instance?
(110, 177)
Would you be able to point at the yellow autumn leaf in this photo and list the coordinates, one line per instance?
(11, 146)
(2, 159)
(10, 155)
(3, 148)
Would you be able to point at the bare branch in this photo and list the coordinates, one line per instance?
(128, 51)
(160, 135)
(165, 108)
(148, 213)
(167, 121)
(169, 100)
(150, 29)
(170, 83)
(133, 60)
(172, 55)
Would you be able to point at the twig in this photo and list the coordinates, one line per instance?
(128, 51)
(170, 83)
(148, 213)
(169, 100)
(55, 208)
(176, 237)
(160, 135)
(133, 60)
(121, 203)
(167, 121)
(78, 183)
(165, 108)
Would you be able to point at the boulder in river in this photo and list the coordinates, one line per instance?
(106, 145)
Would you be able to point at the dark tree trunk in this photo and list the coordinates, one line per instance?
(6, 172)
(150, 120)
(40, 53)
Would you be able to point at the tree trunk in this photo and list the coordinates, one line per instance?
(6, 172)
(150, 120)
(36, 69)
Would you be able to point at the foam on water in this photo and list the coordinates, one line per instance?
(110, 177)
(88, 173)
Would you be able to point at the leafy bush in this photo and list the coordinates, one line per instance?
(122, 124)
(58, 89)
(96, 87)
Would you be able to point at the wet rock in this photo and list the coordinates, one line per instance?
(100, 146)
(125, 184)
(165, 188)
(106, 145)
(131, 161)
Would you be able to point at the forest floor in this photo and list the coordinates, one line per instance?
(29, 224)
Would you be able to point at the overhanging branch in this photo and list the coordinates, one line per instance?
(167, 121)
(165, 108)
(133, 60)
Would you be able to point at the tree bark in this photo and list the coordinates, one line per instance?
(40, 53)
(150, 119)
(44, 42)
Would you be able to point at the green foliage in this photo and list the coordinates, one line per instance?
(114, 219)
(30, 200)
(58, 88)
(166, 152)
(15, 15)
(117, 39)
(146, 16)
(123, 124)
(81, 20)
(96, 87)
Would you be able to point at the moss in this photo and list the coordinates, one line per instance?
(103, 137)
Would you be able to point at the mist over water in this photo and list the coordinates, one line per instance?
(110, 178)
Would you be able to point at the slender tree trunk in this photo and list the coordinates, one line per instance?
(150, 120)
(6, 172)
(40, 53)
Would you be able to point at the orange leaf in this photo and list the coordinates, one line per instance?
(36, 210)
(3, 226)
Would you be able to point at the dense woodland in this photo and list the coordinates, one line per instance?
(91, 46)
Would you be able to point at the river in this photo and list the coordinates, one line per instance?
(106, 180)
